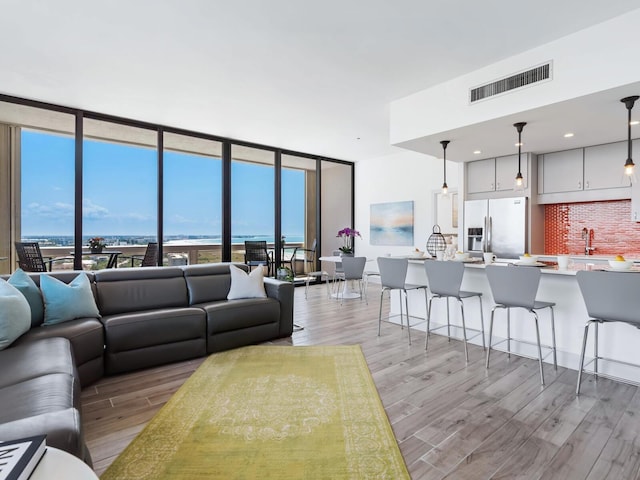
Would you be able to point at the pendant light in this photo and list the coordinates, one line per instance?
(629, 165)
(519, 182)
(445, 188)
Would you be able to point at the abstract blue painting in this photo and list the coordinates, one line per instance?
(391, 223)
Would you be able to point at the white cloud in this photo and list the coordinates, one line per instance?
(55, 210)
(92, 210)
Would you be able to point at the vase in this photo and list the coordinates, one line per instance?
(345, 254)
(96, 249)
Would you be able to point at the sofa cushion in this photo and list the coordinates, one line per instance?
(246, 285)
(15, 314)
(87, 342)
(130, 331)
(35, 396)
(31, 292)
(124, 290)
(238, 314)
(35, 359)
(64, 302)
(63, 429)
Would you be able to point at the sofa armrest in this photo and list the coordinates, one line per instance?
(283, 292)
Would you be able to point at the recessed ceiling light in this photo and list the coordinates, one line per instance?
(477, 152)
(568, 135)
(634, 122)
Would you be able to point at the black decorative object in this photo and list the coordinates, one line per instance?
(444, 144)
(436, 242)
(519, 183)
(629, 165)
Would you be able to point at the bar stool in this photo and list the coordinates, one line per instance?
(393, 273)
(445, 280)
(609, 297)
(516, 287)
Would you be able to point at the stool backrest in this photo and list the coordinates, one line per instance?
(513, 286)
(393, 271)
(612, 296)
(353, 267)
(444, 278)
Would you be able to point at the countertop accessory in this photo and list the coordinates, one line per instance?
(436, 241)
(620, 264)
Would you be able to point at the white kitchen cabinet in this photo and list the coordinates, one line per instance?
(603, 166)
(481, 176)
(563, 171)
(507, 169)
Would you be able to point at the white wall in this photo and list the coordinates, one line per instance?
(404, 176)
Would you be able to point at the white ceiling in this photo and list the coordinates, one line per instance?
(315, 77)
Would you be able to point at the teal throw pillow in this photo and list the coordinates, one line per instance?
(64, 302)
(15, 314)
(31, 292)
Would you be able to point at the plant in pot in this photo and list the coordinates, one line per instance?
(347, 234)
(96, 244)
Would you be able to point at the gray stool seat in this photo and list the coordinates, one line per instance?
(609, 297)
(352, 269)
(393, 273)
(445, 280)
(516, 287)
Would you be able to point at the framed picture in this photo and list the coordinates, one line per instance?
(391, 223)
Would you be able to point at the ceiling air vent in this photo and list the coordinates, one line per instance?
(534, 75)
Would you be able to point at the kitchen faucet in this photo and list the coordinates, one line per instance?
(586, 236)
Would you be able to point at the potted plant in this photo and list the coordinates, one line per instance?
(347, 234)
(96, 244)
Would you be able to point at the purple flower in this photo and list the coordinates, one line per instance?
(348, 234)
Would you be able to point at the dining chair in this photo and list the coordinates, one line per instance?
(295, 255)
(30, 258)
(393, 274)
(256, 254)
(609, 297)
(352, 270)
(445, 281)
(149, 259)
(516, 287)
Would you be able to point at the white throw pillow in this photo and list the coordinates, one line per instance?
(15, 314)
(245, 285)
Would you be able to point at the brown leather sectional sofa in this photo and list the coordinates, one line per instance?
(149, 316)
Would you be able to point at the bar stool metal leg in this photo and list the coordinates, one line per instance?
(584, 348)
(508, 332)
(406, 301)
(380, 313)
(553, 340)
(448, 322)
(484, 347)
(426, 342)
(464, 331)
(595, 350)
(535, 316)
(493, 311)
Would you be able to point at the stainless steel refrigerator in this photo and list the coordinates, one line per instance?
(497, 225)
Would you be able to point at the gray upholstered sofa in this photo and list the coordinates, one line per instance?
(148, 316)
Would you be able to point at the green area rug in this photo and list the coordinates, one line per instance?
(269, 412)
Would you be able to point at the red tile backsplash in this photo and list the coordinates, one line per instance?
(613, 230)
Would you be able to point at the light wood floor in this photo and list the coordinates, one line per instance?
(451, 420)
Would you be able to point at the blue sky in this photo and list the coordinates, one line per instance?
(120, 185)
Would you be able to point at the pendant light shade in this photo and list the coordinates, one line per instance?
(519, 181)
(445, 188)
(629, 169)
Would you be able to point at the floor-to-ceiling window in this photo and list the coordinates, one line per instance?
(252, 197)
(36, 182)
(120, 188)
(111, 181)
(299, 206)
(192, 199)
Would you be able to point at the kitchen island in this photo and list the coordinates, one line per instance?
(617, 341)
